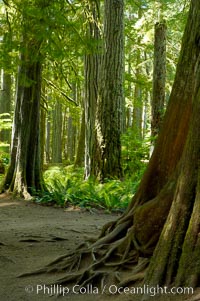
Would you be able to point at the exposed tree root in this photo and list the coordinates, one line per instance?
(119, 251)
(108, 259)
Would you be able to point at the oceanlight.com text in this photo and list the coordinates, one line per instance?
(56, 289)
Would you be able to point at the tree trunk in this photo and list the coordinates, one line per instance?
(79, 162)
(6, 85)
(159, 75)
(137, 100)
(92, 62)
(182, 226)
(111, 99)
(42, 133)
(48, 139)
(57, 133)
(71, 140)
(5, 104)
(24, 173)
(137, 109)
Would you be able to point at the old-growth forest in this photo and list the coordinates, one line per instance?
(100, 149)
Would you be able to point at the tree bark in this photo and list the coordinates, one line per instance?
(57, 133)
(5, 104)
(92, 63)
(79, 162)
(71, 140)
(111, 98)
(159, 75)
(48, 138)
(137, 106)
(181, 230)
(24, 173)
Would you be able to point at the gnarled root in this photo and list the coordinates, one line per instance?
(109, 258)
(124, 248)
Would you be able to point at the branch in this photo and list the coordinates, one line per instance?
(64, 77)
(72, 7)
(6, 3)
(60, 91)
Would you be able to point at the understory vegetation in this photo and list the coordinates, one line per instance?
(66, 185)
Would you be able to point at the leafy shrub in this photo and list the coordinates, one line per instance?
(4, 160)
(135, 154)
(67, 187)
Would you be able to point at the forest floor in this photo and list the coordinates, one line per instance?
(32, 235)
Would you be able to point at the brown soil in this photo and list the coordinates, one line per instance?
(31, 236)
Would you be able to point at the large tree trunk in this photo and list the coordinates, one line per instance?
(151, 229)
(111, 99)
(24, 172)
(24, 175)
(177, 252)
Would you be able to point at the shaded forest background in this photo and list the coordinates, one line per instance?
(71, 36)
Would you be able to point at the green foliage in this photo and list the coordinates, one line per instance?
(135, 155)
(62, 28)
(4, 159)
(4, 156)
(67, 187)
(5, 121)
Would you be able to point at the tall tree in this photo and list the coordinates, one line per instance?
(5, 103)
(57, 133)
(6, 83)
(137, 103)
(92, 63)
(111, 98)
(159, 75)
(24, 172)
(80, 154)
(162, 223)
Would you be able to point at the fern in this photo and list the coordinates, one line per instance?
(67, 187)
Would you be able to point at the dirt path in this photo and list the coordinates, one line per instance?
(31, 236)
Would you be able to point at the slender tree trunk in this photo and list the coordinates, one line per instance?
(79, 162)
(42, 134)
(92, 62)
(137, 97)
(71, 140)
(57, 133)
(6, 86)
(159, 75)
(5, 104)
(146, 116)
(48, 139)
(137, 110)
